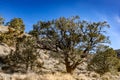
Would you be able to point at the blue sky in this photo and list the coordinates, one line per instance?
(32, 11)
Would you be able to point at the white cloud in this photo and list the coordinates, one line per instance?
(114, 22)
(117, 18)
(101, 16)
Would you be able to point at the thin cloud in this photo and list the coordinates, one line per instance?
(101, 16)
(113, 32)
(117, 18)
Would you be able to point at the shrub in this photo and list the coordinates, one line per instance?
(104, 61)
(8, 38)
(25, 56)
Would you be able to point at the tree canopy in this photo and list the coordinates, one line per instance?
(71, 37)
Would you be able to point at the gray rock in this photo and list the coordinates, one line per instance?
(4, 29)
(4, 49)
(51, 64)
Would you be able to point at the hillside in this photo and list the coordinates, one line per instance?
(51, 68)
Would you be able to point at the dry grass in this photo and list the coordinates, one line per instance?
(33, 76)
(58, 76)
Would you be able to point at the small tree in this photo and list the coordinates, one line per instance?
(73, 38)
(25, 55)
(16, 28)
(17, 24)
(104, 61)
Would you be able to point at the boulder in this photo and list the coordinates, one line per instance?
(4, 49)
(50, 63)
(4, 29)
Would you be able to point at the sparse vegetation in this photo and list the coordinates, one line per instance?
(25, 56)
(71, 39)
(16, 28)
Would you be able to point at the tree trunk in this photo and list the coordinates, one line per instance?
(27, 67)
(69, 69)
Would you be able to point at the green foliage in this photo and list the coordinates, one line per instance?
(8, 38)
(25, 55)
(104, 61)
(67, 35)
(35, 32)
(17, 23)
(16, 28)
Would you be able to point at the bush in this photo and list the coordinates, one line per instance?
(104, 61)
(18, 24)
(8, 38)
(16, 27)
(25, 57)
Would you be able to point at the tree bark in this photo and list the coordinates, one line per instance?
(69, 68)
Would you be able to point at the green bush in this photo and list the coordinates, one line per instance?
(8, 38)
(16, 28)
(104, 61)
(18, 24)
(25, 56)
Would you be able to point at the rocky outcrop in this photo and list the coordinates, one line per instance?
(50, 63)
(4, 29)
(51, 67)
(4, 49)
